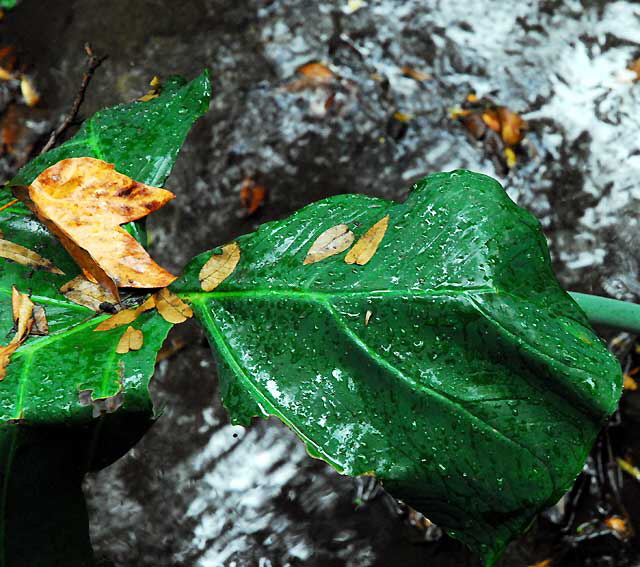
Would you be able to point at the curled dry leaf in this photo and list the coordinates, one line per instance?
(132, 339)
(367, 317)
(22, 308)
(366, 247)
(171, 307)
(83, 201)
(26, 257)
(89, 294)
(331, 242)
(126, 316)
(219, 267)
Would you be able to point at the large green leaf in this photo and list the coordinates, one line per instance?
(451, 365)
(57, 384)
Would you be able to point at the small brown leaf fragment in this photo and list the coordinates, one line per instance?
(132, 339)
(331, 242)
(21, 255)
(88, 294)
(171, 307)
(618, 525)
(252, 195)
(315, 70)
(415, 74)
(22, 313)
(5, 357)
(367, 317)
(629, 383)
(543, 563)
(511, 126)
(366, 247)
(635, 67)
(40, 324)
(219, 267)
(126, 316)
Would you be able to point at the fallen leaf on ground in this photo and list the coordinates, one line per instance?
(629, 468)
(366, 247)
(219, 267)
(543, 563)
(126, 316)
(22, 308)
(629, 383)
(312, 75)
(29, 93)
(171, 307)
(511, 126)
(132, 339)
(415, 74)
(252, 195)
(618, 525)
(154, 91)
(89, 294)
(331, 242)
(26, 257)
(367, 317)
(83, 202)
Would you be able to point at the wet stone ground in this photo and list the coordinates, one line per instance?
(199, 492)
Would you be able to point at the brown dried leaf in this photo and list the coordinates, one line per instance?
(171, 307)
(23, 316)
(87, 293)
(40, 323)
(315, 70)
(511, 126)
(491, 119)
(21, 255)
(252, 195)
(366, 247)
(132, 339)
(331, 242)
(22, 313)
(219, 267)
(126, 316)
(415, 74)
(5, 357)
(83, 201)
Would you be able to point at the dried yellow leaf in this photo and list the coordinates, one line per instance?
(154, 91)
(510, 157)
(171, 307)
(331, 242)
(26, 257)
(126, 316)
(629, 383)
(219, 267)
(367, 317)
(366, 247)
(86, 293)
(132, 339)
(29, 93)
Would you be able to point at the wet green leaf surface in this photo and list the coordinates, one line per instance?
(451, 365)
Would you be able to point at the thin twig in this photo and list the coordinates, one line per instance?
(9, 204)
(93, 63)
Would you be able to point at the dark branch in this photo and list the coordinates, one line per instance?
(93, 63)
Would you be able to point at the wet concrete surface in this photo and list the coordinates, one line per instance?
(199, 492)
